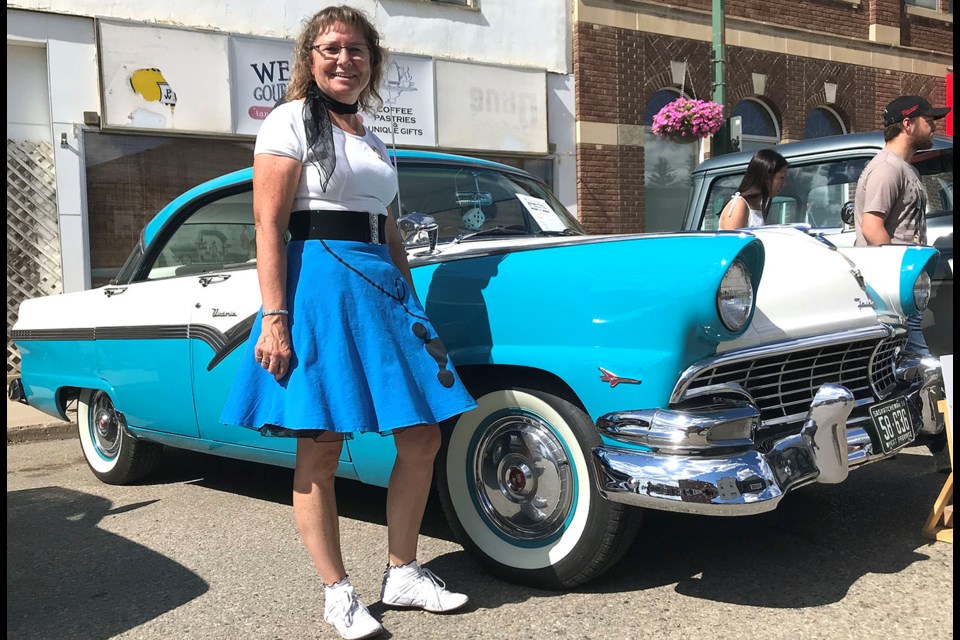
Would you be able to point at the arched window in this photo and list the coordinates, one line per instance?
(823, 121)
(667, 167)
(757, 125)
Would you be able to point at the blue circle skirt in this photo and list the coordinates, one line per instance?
(365, 357)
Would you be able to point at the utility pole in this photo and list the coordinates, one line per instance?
(721, 139)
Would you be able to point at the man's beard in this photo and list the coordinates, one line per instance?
(922, 143)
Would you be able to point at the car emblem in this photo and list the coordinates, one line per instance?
(865, 303)
(614, 380)
(217, 313)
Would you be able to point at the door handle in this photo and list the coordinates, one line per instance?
(113, 291)
(220, 277)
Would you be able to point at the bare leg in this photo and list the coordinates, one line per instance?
(315, 505)
(408, 490)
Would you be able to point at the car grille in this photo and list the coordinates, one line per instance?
(784, 383)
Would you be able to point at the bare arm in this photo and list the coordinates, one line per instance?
(734, 215)
(275, 180)
(873, 229)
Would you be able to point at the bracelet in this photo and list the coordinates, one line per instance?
(275, 312)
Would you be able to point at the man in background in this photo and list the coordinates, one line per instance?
(890, 204)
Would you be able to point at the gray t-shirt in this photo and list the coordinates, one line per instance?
(891, 187)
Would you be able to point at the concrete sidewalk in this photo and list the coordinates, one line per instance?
(26, 424)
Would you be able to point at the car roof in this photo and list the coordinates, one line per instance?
(815, 146)
(242, 176)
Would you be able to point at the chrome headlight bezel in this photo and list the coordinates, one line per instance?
(922, 291)
(735, 297)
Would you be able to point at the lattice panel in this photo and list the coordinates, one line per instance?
(33, 235)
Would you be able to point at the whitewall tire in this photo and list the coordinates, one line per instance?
(112, 455)
(518, 487)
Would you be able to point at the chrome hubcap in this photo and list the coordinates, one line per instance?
(523, 477)
(106, 426)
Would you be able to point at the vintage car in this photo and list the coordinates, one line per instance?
(612, 373)
(820, 187)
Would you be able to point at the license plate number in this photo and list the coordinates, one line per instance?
(892, 427)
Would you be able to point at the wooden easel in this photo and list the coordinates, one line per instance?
(936, 524)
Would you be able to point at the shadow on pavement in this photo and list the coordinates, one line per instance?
(68, 578)
(806, 553)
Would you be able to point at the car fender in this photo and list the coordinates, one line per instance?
(890, 272)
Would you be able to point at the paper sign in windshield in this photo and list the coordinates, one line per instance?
(542, 213)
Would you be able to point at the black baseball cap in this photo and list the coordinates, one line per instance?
(911, 107)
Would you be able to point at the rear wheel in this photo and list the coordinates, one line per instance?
(112, 455)
(518, 487)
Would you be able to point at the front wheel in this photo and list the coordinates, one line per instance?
(517, 485)
(112, 455)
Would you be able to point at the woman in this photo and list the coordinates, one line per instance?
(342, 344)
(748, 207)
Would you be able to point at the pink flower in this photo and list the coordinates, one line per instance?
(688, 118)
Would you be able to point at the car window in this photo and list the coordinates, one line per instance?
(467, 199)
(217, 236)
(812, 194)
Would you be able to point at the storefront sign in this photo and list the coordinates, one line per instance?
(164, 78)
(491, 108)
(261, 71)
(407, 117)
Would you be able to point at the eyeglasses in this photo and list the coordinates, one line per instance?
(332, 51)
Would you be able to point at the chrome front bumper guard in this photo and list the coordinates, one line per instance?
(698, 463)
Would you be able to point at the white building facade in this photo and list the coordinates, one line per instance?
(141, 101)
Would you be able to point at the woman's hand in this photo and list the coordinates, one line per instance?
(273, 350)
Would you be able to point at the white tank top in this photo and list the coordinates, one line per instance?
(754, 216)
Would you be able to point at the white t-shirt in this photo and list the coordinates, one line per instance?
(363, 180)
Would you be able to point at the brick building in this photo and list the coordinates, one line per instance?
(794, 69)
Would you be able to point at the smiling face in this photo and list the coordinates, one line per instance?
(345, 74)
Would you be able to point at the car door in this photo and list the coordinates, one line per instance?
(143, 354)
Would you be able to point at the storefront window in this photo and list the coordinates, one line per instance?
(758, 126)
(822, 122)
(131, 177)
(667, 169)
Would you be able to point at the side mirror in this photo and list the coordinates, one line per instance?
(846, 213)
(414, 224)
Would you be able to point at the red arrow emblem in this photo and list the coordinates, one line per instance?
(614, 380)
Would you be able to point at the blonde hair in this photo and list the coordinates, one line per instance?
(322, 21)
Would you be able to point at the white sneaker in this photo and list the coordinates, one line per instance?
(343, 609)
(413, 586)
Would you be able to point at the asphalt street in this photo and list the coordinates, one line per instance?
(207, 548)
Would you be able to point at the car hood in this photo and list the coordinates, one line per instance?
(808, 288)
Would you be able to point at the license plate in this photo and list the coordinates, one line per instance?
(892, 427)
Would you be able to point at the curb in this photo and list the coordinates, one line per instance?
(40, 432)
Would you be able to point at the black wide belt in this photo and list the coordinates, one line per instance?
(359, 226)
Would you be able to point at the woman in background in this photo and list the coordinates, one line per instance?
(748, 207)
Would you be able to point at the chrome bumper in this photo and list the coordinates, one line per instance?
(925, 378)
(684, 474)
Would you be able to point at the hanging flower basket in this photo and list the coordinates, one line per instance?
(679, 138)
(687, 120)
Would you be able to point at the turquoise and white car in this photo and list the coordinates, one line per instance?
(612, 373)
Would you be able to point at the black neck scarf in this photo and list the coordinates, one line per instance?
(319, 129)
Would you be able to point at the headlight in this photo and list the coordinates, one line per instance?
(735, 296)
(921, 291)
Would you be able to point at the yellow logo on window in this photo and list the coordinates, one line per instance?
(151, 84)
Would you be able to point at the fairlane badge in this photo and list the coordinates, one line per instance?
(223, 314)
(865, 303)
(615, 380)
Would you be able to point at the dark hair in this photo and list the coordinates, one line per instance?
(756, 181)
(892, 131)
(301, 77)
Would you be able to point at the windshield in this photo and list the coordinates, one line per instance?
(468, 200)
(814, 192)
